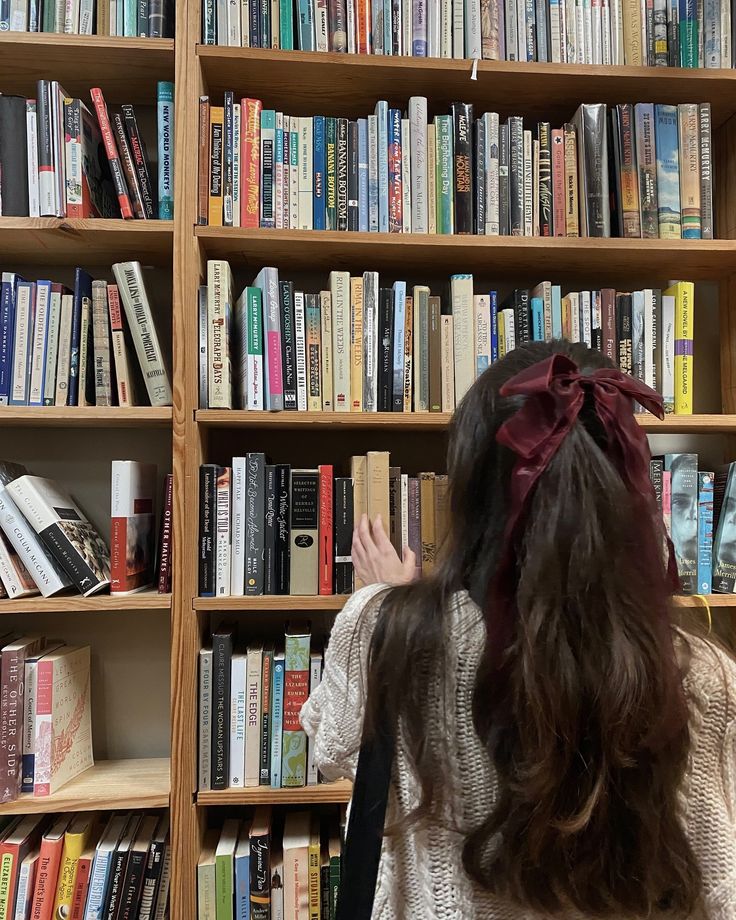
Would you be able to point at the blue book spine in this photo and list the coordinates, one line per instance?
(82, 289)
(24, 320)
(688, 33)
(494, 326)
(363, 175)
(165, 150)
(399, 333)
(254, 26)
(4, 15)
(242, 886)
(537, 319)
(98, 885)
(705, 533)
(7, 328)
(556, 312)
(306, 26)
(668, 172)
(319, 165)
(387, 17)
(382, 120)
(277, 720)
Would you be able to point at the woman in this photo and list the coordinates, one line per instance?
(561, 749)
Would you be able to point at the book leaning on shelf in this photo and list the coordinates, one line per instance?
(399, 172)
(664, 34)
(58, 159)
(95, 345)
(270, 866)
(356, 346)
(154, 19)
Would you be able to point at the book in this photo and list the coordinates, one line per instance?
(132, 523)
(296, 691)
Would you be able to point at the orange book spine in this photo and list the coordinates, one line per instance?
(326, 554)
(81, 886)
(250, 163)
(47, 875)
(364, 27)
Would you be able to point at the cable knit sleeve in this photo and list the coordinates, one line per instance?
(333, 714)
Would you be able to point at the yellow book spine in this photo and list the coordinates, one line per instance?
(633, 53)
(684, 294)
(572, 216)
(74, 844)
(408, 353)
(356, 344)
(7, 871)
(314, 880)
(360, 495)
(501, 319)
(217, 120)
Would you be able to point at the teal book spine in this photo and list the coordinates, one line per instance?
(556, 311)
(130, 18)
(165, 150)
(705, 533)
(537, 319)
(668, 172)
(286, 25)
(445, 175)
(688, 33)
(296, 691)
(277, 719)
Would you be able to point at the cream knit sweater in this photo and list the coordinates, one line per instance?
(421, 875)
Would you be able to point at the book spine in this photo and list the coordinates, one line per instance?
(705, 534)
(254, 521)
(646, 155)
(629, 174)
(684, 299)
(383, 159)
(325, 311)
(340, 297)
(204, 740)
(353, 204)
(222, 651)
(343, 535)
(165, 564)
(300, 356)
(668, 172)
(357, 339)
(313, 354)
(572, 225)
(288, 343)
(126, 159)
(113, 158)
(462, 119)
(516, 176)
(223, 526)
(706, 171)
(277, 714)
(207, 475)
(283, 523)
(165, 112)
(395, 188)
(296, 691)
(341, 174)
(445, 175)
(238, 681)
(398, 342)
(251, 110)
(264, 774)
(326, 584)
(690, 171)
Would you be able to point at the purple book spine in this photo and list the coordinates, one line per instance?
(415, 539)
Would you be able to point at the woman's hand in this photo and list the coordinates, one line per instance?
(375, 560)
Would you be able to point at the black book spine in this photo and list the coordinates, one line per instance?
(143, 16)
(14, 153)
(288, 343)
(324, 884)
(207, 485)
(462, 121)
(227, 162)
(623, 332)
(385, 349)
(544, 134)
(595, 150)
(140, 161)
(255, 28)
(156, 19)
(283, 528)
(656, 474)
(151, 879)
(222, 654)
(342, 174)
(343, 535)
(597, 338)
(255, 496)
(522, 317)
(119, 862)
(132, 886)
(516, 176)
(353, 175)
(269, 563)
(503, 180)
(260, 877)
(396, 28)
(480, 176)
(264, 23)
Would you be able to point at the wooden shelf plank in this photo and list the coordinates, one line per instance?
(427, 421)
(554, 258)
(303, 83)
(72, 241)
(110, 784)
(125, 68)
(274, 602)
(324, 793)
(99, 603)
(84, 417)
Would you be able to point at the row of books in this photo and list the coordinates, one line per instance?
(85, 866)
(249, 704)
(49, 547)
(455, 174)
(357, 346)
(130, 18)
(699, 509)
(95, 345)
(269, 868)
(57, 159)
(272, 529)
(45, 716)
(666, 33)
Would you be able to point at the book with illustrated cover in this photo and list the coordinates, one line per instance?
(296, 691)
(132, 537)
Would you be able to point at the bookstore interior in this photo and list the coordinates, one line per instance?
(253, 253)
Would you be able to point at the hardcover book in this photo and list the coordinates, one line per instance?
(132, 523)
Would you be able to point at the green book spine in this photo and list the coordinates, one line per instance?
(286, 25)
(296, 691)
(224, 887)
(331, 172)
(445, 174)
(335, 870)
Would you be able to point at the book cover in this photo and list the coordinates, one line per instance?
(683, 470)
(296, 691)
(132, 526)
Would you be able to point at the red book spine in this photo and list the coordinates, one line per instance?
(364, 28)
(608, 319)
(558, 182)
(112, 153)
(118, 554)
(250, 163)
(49, 860)
(326, 554)
(81, 886)
(164, 553)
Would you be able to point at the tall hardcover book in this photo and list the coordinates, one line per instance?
(683, 470)
(255, 498)
(260, 863)
(132, 526)
(592, 139)
(222, 651)
(304, 561)
(343, 534)
(296, 691)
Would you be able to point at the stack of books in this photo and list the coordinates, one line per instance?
(57, 159)
(84, 866)
(358, 347)
(456, 174)
(256, 692)
(666, 33)
(151, 19)
(95, 345)
(273, 529)
(271, 867)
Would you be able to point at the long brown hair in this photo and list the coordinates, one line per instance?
(585, 720)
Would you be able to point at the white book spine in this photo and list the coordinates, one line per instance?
(25, 888)
(579, 32)
(21, 344)
(406, 26)
(434, 41)
(233, 23)
(510, 326)
(38, 354)
(606, 49)
(510, 22)
(461, 292)
(472, 29)
(255, 381)
(315, 678)
(350, 21)
(406, 211)
(588, 30)
(492, 186)
(725, 34)
(668, 352)
(244, 24)
(221, 19)
(253, 717)
(482, 309)
(528, 186)
(49, 578)
(237, 564)
(86, 17)
(301, 351)
(340, 297)
(446, 42)
(222, 543)
(650, 338)
(306, 198)
(52, 348)
(458, 29)
(575, 328)
(595, 33)
(71, 17)
(521, 48)
(418, 147)
(372, 174)
(237, 127)
(65, 350)
(585, 317)
(554, 31)
(321, 28)
(218, 335)
(32, 138)
(205, 720)
(18, 16)
(113, 30)
(238, 689)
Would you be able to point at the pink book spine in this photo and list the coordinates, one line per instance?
(275, 379)
(44, 728)
(558, 182)
(667, 501)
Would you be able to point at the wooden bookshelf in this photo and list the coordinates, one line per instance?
(109, 785)
(84, 417)
(98, 603)
(323, 794)
(273, 602)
